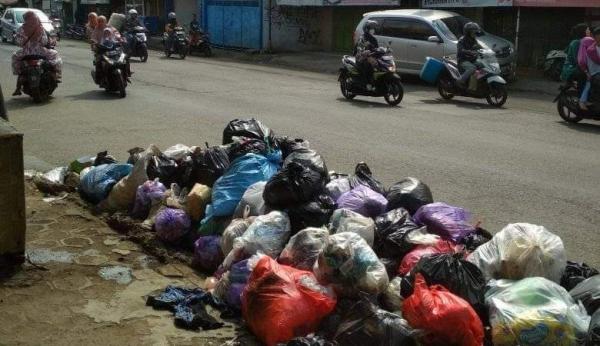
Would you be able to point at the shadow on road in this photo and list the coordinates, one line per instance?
(365, 104)
(582, 127)
(92, 95)
(23, 102)
(460, 103)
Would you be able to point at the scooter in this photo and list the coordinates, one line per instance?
(386, 82)
(199, 41)
(486, 82)
(139, 48)
(567, 104)
(113, 74)
(75, 31)
(38, 77)
(180, 43)
(553, 64)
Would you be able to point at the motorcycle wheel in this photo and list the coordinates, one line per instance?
(395, 93)
(498, 95)
(443, 86)
(36, 95)
(207, 52)
(344, 86)
(565, 111)
(167, 53)
(144, 55)
(121, 85)
(182, 53)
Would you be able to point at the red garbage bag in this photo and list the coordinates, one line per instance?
(281, 302)
(411, 258)
(446, 318)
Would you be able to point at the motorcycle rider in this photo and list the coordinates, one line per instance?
(570, 70)
(33, 40)
(194, 25)
(172, 23)
(591, 67)
(90, 26)
(467, 48)
(131, 23)
(365, 47)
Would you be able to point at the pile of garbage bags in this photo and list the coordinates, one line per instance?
(314, 257)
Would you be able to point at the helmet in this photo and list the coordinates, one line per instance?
(370, 24)
(132, 12)
(172, 15)
(471, 27)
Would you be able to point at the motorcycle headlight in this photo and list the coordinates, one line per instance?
(392, 67)
(122, 58)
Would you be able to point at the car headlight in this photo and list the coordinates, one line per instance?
(511, 50)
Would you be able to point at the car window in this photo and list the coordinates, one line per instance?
(411, 29)
(8, 15)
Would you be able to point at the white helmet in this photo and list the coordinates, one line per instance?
(132, 12)
(172, 15)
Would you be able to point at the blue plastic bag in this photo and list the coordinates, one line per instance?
(243, 172)
(97, 183)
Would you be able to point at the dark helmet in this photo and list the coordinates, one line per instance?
(370, 24)
(471, 27)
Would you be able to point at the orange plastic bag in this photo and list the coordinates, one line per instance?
(446, 318)
(282, 302)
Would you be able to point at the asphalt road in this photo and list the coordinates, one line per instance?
(516, 164)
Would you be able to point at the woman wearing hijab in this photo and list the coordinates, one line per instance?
(570, 69)
(33, 40)
(91, 24)
(589, 62)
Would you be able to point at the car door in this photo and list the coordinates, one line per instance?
(389, 34)
(5, 22)
(419, 47)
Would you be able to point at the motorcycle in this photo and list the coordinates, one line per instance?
(486, 82)
(113, 75)
(386, 82)
(180, 43)
(199, 41)
(139, 47)
(553, 64)
(75, 31)
(567, 103)
(38, 76)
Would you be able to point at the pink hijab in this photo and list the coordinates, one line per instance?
(32, 28)
(587, 47)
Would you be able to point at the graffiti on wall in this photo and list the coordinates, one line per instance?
(300, 21)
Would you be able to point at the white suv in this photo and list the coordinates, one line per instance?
(414, 35)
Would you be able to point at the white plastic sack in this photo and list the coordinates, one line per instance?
(252, 199)
(521, 250)
(534, 311)
(345, 220)
(268, 234)
(337, 187)
(177, 152)
(236, 229)
(302, 250)
(349, 264)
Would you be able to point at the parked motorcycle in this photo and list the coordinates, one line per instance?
(113, 71)
(200, 42)
(139, 48)
(180, 43)
(567, 103)
(75, 31)
(553, 64)
(486, 82)
(386, 82)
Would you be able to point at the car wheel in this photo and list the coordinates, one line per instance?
(2, 35)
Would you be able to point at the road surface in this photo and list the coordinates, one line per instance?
(516, 164)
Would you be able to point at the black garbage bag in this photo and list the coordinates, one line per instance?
(163, 168)
(204, 167)
(250, 128)
(245, 145)
(391, 230)
(288, 145)
(459, 276)
(363, 175)
(475, 239)
(103, 158)
(363, 323)
(410, 194)
(135, 154)
(308, 158)
(588, 292)
(292, 186)
(575, 273)
(309, 340)
(391, 265)
(315, 213)
(593, 337)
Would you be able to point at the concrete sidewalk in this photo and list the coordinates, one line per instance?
(328, 62)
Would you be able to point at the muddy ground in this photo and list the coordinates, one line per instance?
(86, 284)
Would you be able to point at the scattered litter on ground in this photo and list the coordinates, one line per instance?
(121, 275)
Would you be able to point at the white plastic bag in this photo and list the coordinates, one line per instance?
(236, 229)
(252, 198)
(521, 250)
(302, 250)
(337, 187)
(345, 220)
(267, 234)
(177, 152)
(391, 298)
(534, 311)
(349, 264)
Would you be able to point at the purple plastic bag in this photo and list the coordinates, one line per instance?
(172, 224)
(451, 223)
(238, 277)
(148, 193)
(364, 201)
(234, 295)
(207, 253)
